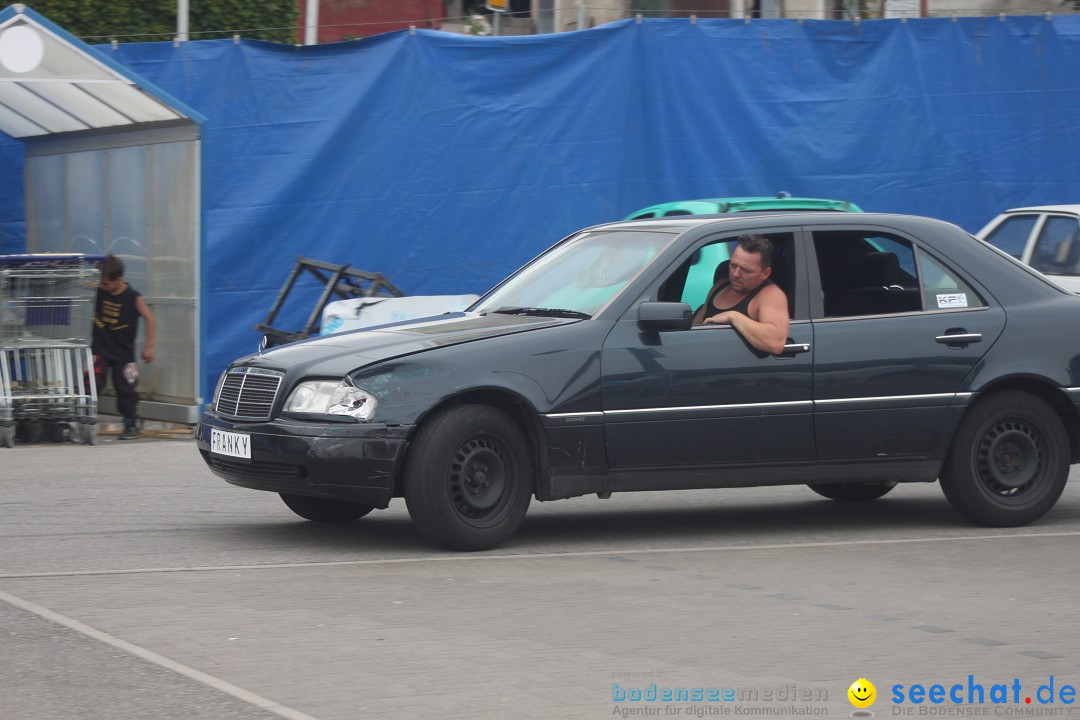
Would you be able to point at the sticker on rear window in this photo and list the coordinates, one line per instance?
(952, 300)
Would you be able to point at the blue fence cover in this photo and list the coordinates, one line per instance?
(445, 161)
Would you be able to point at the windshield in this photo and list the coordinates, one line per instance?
(580, 275)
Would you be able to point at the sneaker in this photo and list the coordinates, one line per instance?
(130, 433)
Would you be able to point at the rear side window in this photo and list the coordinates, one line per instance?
(1011, 236)
(866, 273)
(871, 273)
(1057, 249)
(943, 289)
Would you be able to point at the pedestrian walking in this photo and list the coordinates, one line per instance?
(116, 322)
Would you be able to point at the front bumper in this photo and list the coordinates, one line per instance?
(357, 462)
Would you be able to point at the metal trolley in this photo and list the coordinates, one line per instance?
(46, 368)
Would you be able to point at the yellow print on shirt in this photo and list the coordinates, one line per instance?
(108, 316)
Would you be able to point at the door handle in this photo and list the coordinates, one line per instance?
(793, 348)
(961, 338)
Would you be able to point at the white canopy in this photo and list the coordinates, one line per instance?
(51, 82)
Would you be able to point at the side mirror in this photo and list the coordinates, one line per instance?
(660, 316)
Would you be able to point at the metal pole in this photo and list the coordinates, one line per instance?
(311, 22)
(497, 24)
(182, 26)
(582, 14)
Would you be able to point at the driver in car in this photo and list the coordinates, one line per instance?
(748, 300)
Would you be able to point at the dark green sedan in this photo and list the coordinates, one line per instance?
(914, 354)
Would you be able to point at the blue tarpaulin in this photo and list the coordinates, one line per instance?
(445, 161)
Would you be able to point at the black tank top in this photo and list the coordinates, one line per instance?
(743, 306)
(116, 320)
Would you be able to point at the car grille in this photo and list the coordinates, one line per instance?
(256, 470)
(248, 393)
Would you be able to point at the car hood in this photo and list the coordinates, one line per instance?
(342, 353)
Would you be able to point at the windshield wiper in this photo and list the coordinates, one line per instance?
(542, 312)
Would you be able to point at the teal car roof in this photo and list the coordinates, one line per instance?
(709, 206)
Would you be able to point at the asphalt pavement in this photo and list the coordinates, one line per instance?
(135, 584)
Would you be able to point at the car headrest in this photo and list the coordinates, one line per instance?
(721, 272)
(879, 268)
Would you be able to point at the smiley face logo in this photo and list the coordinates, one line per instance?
(862, 693)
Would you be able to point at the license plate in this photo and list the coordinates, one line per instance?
(230, 443)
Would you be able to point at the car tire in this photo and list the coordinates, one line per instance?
(1009, 461)
(468, 477)
(325, 510)
(853, 492)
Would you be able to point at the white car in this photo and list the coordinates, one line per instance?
(1046, 237)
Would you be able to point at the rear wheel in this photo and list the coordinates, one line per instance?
(853, 492)
(1009, 461)
(325, 509)
(468, 477)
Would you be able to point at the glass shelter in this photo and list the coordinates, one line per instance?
(111, 166)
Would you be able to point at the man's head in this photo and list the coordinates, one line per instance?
(112, 274)
(751, 263)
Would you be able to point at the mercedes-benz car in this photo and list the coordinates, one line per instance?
(915, 355)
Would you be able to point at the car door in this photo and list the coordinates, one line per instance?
(896, 332)
(703, 397)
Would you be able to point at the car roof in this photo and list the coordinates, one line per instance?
(1046, 208)
(744, 204)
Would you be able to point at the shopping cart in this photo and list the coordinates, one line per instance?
(46, 368)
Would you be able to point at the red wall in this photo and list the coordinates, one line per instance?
(345, 19)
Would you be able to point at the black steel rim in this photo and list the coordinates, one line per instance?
(479, 476)
(1011, 459)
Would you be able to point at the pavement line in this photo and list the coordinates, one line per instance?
(473, 557)
(160, 660)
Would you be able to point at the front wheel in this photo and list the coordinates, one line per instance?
(1009, 461)
(853, 492)
(325, 509)
(468, 477)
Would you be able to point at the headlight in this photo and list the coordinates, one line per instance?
(331, 397)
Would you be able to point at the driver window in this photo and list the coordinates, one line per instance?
(707, 266)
